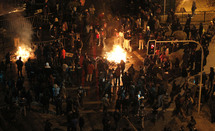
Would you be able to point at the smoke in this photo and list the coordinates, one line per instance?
(20, 27)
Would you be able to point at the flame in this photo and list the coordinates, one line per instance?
(24, 53)
(117, 54)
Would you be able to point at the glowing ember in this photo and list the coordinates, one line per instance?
(24, 53)
(117, 54)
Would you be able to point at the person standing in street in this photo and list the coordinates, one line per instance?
(90, 69)
(117, 75)
(122, 65)
(63, 56)
(211, 79)
(141, 40)
(201, 28)
(131, 71)
(19, 64)
(48, 126)
(8, 60)
(58, 105)
(117, 117)
(193, 7)
(81, 93)
(105, 103)
(81, 123)
(212, 108)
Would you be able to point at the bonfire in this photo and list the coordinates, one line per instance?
(116, 55)
(24, 53)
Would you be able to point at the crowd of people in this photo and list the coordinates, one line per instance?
(84, 28)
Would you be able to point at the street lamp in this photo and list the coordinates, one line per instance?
(202, 57)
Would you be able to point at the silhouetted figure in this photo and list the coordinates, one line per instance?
(19, 64)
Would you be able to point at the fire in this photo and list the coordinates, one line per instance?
(24, 53)
(117, 54)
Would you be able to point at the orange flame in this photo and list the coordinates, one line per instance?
(24, 53)
(117, 54)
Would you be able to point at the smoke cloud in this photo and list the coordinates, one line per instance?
(20, 27)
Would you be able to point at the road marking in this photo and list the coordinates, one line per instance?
(138, 56)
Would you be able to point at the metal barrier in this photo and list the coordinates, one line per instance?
(42, 43)
(200, 16)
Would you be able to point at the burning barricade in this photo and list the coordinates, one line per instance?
(116, 55)
(24, 52)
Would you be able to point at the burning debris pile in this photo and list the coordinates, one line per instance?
(116, 55)
(24, 53)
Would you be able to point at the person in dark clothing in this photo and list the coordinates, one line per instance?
(78, 71)
(118, 104)
(175, 90)
(211, 79)
(194, 32)
(178, 106)
(28, 68)
(81, 123)
(187, 26)
(20, 83)
(126, 81)
(174, 26)
(78, 45)
(69, 121)
(29, 99)
(7, 58)
(200, 30)
(106, 123)
(3, 66)
(69, 104)
(117, 75)
(184, 72)
(204, 78)
(192, 60)
(187, 30)
(116, 117)
(122, 65)
(191, 124)
(177, 62)
(47, 126)
(81, 93)
(58, 104)
(72, 120)
(193, 7)
(212, 109)
(19, 64)
(131, 71)
(45, 100)
(151, 23)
